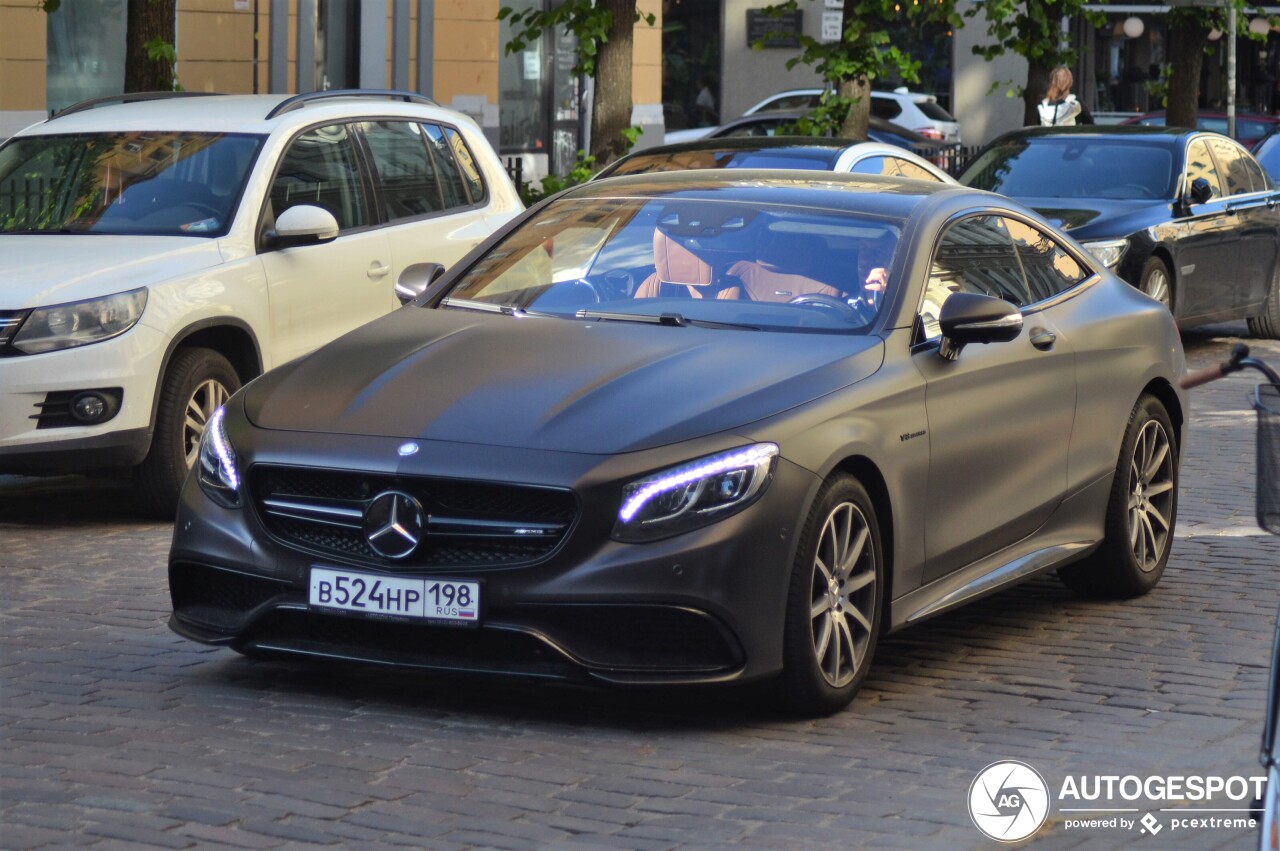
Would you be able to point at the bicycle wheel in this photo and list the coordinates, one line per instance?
(1266, 401)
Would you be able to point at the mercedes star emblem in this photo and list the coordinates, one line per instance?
(394, 524)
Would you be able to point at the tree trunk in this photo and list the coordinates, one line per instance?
(1036, 89)
(145, 21)
(1187, 42)
(611, 110)
(856, 122)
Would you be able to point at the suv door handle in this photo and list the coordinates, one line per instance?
(378, 270)
(1043, 339)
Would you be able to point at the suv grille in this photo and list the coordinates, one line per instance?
(10, 322)
(469, 524)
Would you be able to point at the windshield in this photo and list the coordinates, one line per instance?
(1075, 167)
(688, 262)
(141, 183)
(810, 159)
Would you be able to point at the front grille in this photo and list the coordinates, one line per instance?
(469, 524)
(10, 322)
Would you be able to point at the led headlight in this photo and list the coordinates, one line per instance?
(64, 326)
(1108, 251)
(694, 494)
(216, 467)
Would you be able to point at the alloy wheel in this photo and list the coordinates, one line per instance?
(208, 397)
(843, 594)
(1157, 286)
(1151, 495)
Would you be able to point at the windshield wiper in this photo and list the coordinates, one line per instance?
(491, 307)
(672, 319)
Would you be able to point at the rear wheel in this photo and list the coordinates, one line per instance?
(1140, 514)
(1157, 282)
(834, 602)
(1267, 324)
(197, 383)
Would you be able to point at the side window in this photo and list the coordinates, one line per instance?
(404, 169)
(1050, 270)
(466, 162)
(1231, 165)
(909, 169)
(976, 255)
(873, 165)
(886, 108)
(1256, 175)
(320, 168)
(451, 183)
(1200, 164)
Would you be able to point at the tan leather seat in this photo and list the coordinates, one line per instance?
(682, 272)
(779, 272)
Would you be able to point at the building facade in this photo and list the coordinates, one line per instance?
(450, 50)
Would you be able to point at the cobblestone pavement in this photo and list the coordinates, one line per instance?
(117, 733)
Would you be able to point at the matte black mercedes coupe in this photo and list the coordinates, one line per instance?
(696, 427)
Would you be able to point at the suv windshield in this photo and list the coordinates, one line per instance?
(139, 183)
(676, 261)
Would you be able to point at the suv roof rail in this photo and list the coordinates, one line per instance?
(299, 101)
(130, 97)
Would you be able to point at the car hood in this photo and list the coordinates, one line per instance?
(554, 384)
(1099, 218)
(43, 269)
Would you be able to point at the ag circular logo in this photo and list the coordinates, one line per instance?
(1008, 800)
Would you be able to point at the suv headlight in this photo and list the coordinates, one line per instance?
(695, 494)
(1108, 251)
(216, 468)
(64, 326)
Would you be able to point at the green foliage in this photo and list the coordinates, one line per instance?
(1031, 29)
(865, 51)
(1159, 88)
(588, 22)
(583, 169)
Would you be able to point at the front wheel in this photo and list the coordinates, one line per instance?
(834, 601)
(1267, 324)
(1157, 282)
(197, 383)
(1141, 512)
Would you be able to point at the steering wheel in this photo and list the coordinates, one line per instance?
(200, 207)
(827, 302)
(596, 296)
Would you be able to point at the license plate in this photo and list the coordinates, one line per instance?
(444, 601)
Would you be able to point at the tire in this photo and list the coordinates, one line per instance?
(1141, 512)
(834, 601)
(1157, 281)
(1267, 324)
(197, 382)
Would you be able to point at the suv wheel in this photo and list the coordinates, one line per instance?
(1267, 324)
(197, 383)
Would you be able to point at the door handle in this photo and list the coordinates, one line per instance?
(377, 269)
(1043, 339)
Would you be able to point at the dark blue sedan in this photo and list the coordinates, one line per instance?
(1189, 217)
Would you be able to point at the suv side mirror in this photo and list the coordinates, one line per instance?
(1201, 192)
(303, 224)
(415, 279)
(975, 318)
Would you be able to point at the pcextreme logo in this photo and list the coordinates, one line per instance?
(1008, 800)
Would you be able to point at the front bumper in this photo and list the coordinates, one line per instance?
(705, 606)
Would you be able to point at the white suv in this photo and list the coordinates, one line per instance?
(158, 253)
(913, 110)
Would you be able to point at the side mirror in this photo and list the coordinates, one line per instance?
(1201, 192)
(974, 318)
(303, 224)
(415, 279)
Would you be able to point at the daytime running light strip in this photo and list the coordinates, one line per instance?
(748, 457)
(226, 458)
